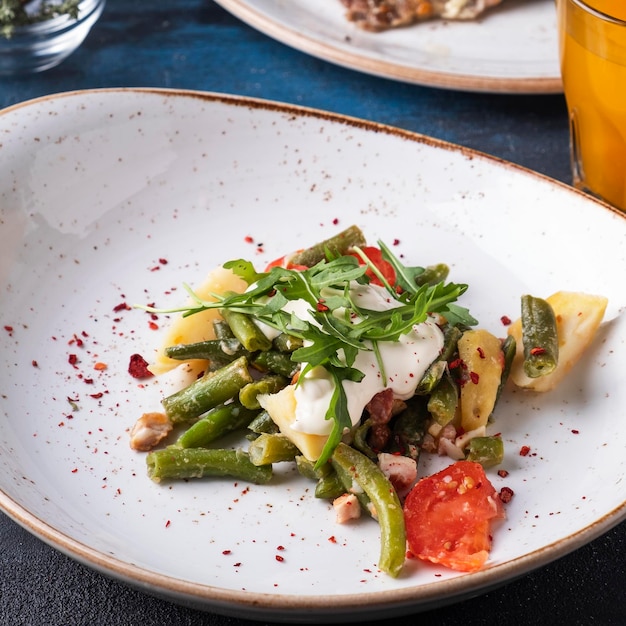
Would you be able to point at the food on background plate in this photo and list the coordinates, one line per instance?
(379, 15)
(348, 364)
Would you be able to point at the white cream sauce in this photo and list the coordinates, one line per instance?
(404, 363)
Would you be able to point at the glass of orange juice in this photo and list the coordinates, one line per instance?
(592, 46)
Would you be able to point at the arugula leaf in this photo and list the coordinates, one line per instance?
(244, 269)
(405, 276)
(458, 315)
(338, 410)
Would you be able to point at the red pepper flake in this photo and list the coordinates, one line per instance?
(96, 396)
(121, 307)
(280, 558)
(321, 307)
(88, 381)
(153, 326)
(503, 473)
(481, 352)
(396, 242)
(248, 239)
(99, 366)
(34, 363)
(575, 431)
(75, 470)
(163, 261)
(506, 494)
(72, 359)
(335, 221)
(332, 539)
(138, 367)
(280, 548)
(456, 363)
(537, 351)
(77, 340)
(167, 524)
(226, 552)
(506, 320)
(524, 450)
(238, 564)
(9, 329)
(474, 377)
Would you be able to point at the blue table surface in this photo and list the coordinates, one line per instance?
(195, 44)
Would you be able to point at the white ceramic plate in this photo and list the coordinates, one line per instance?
(101, 188)
(511, 49)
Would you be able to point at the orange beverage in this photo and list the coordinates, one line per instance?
(592, 39)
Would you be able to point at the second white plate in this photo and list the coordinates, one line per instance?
(511, 49)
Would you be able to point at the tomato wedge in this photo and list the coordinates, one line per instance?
(384, 267)
(284, 261)
(448, 515)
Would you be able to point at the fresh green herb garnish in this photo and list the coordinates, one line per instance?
(337, 327)
(15, 13)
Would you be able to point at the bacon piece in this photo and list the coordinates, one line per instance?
(347, 508)
(400, 470)
(380, 409)
(149, 430)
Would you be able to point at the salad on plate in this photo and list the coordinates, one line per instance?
(347, 363)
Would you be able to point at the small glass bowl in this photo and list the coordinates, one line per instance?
(43, 45)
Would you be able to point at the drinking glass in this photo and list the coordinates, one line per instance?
(592, 46)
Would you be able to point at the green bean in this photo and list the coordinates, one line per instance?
(432, 274)
(207, 392)
(337, 245)
(263, 423)
(275, 361)
(350, 485)
(444, 400)
(509, 348)
(183, 463)
(267, 449)
(539, 337)
(287, 343)
(408, 429)
(385, 501)
(222, 329)
(244, 328)
(359, 440)
(248, 395)
(307, 468)
(219, 421)
(431, 377)
(220, 350)
(435, 371)
(329, 487)
(488, 451)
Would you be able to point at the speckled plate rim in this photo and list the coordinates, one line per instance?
(293, 608)
(351, 57)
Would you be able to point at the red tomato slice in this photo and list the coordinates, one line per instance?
(448, 516)
(384, 267)
(283, 261)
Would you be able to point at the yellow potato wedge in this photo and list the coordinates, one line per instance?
(481, 353)
(197, 327)
(282, 409)
(578, 316)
